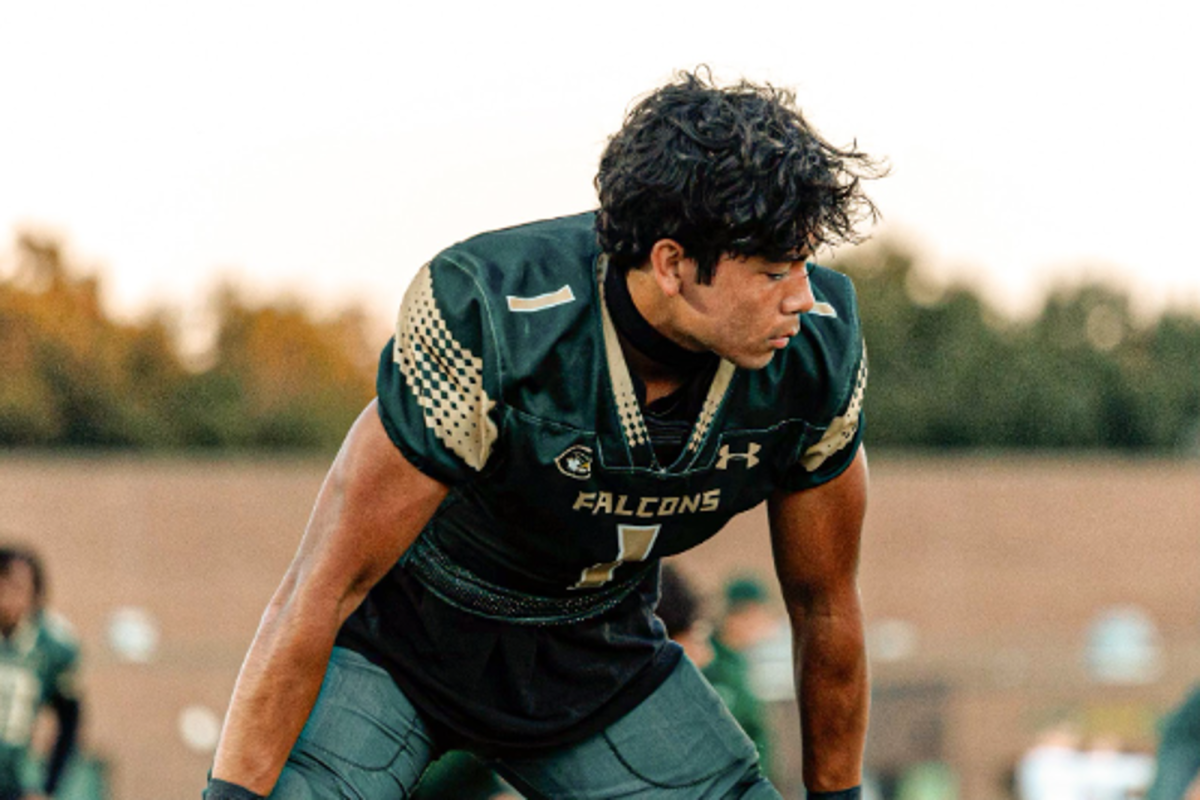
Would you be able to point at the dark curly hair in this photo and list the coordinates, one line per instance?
(726, 171)
(9, 554)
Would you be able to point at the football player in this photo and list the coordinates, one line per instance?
(38, 656)
(1177, 761)
(563, 404)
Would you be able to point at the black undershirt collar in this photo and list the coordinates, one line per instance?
(669, 420)
(642, 335)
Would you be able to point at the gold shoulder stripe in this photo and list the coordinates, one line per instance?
(823, 310)
(542, 301)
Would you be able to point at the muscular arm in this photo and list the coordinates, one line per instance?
(815, 536)
(371, 507)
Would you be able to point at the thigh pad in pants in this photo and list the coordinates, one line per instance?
(363, 738)
(680, 743)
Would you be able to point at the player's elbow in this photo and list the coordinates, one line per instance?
(810, 603)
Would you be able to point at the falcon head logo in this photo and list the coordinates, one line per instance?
(575, 462)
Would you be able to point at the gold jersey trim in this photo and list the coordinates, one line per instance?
(632, 424)
(716, 393)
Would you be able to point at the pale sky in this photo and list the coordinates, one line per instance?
(328, 150)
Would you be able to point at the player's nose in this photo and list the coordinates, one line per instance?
(799, 299)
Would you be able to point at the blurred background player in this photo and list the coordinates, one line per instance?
(38, 655)
(747, 622)
(1177, 762)
(682, 612)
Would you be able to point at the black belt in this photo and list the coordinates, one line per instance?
(463, 589)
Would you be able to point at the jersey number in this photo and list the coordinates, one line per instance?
(634, 543)
(18, 702)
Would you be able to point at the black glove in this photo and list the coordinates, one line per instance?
(224, 790)
(843, 794)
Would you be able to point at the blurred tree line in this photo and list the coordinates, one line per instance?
(946, 371)
(1084, 373)
(71, 376)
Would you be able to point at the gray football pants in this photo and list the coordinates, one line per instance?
(365, 741)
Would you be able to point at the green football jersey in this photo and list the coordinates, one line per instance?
(37, 663)
(523, 615)
(506, 380)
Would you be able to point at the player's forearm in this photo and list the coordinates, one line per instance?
(275, 691)
(834, 696)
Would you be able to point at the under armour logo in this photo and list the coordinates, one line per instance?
(750, 455)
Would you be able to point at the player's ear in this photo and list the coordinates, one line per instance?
(668, 265)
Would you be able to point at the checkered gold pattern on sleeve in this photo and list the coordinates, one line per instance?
(842, 430)
(444, 376)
